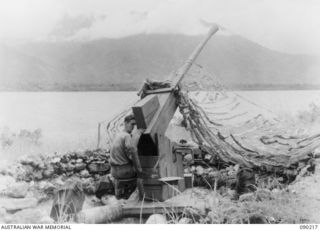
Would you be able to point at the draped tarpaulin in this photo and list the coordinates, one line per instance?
(234, 128)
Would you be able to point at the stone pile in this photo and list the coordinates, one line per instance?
(87, 166)
(206, 172)
(35, 179)
(84, 165)
(19, 201)
(45, 174)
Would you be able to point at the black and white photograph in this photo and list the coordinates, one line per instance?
(159, 112)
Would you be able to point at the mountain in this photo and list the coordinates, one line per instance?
(123, 64)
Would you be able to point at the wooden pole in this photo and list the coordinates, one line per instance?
(168, 104)
(99, 135)
(185, 68)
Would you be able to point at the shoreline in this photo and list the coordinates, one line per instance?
(136, 87)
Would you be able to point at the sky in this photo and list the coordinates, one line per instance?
(290, 26)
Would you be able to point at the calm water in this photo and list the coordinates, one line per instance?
(69, 120)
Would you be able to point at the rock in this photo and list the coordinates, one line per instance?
(78, 161)
(61, 168)
(199, 170)
(25, 173)
(70, 167)
(3, 212)
(18, 190)
(185, 220)
(263, 194)
(43, 184)
(247, 197)
(48, 172)
(32, 160)
(208, 157)
(58, 181)
(69, 174)
(96, 167)
(88, 185)
(41, 165)
(37, 175)
(186, 170)
(97, 177)
(28, 216)
(64, 159)
(71, 155)
(79, 166)
(109, 200)
(55, 160)
(47, 187)
(5, 181)
(316, 153)
(188, 158)
(11, 205)
(84, 173)
(58, 168)
(12, 170)
(156, 219)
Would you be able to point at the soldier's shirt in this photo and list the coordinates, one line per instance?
(122, 148)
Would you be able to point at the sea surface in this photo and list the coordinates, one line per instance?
(68, 120)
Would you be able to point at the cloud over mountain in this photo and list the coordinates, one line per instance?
(289, 26)
(68, 26)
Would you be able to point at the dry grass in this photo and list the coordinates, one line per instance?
(279, 206)
(282, 209)
(62, 210)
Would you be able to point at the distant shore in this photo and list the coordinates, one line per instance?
(136, 86)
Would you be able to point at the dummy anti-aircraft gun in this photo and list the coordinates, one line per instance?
(164, 175)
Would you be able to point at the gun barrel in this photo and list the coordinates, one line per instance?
(185, 68)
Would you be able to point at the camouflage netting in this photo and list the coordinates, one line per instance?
(235, 129)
